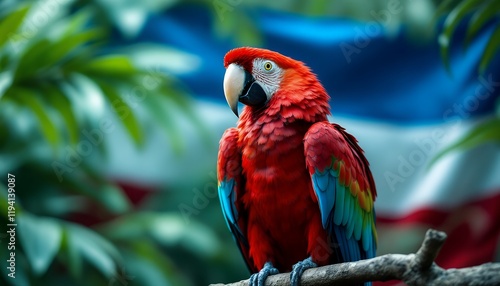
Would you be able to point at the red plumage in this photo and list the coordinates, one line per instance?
(276, 207)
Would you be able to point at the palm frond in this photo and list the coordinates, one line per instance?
(481, 14)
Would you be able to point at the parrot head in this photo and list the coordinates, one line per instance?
(263, 79)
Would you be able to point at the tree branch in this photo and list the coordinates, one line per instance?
(413, 269)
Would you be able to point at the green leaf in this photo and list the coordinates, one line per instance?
(114, 65)
(484, 133)
(62, 104)
(47, 54)
(5, 61)
(443, 8)
(11, 23)
(31, 59)
(490, 50)
(29, 99)
(487, 12)
(74, 259)
(5, 82)
(85, 243)
(41, 240)
(124, 113)
(153, 60)
(86, 55)
(68, 44)
(450, 24)
(78, 21)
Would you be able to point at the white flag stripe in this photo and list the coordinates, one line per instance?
(400, 155)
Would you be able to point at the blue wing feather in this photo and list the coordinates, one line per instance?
(347, 209)
(338, 211)
(227, 197)
(366, 237)
(326, 199)
(349, 248)
(358, 223)
(351, 226)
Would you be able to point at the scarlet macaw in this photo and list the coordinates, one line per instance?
(296, 191)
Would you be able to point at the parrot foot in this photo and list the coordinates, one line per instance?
(299, 268)
(259, 279)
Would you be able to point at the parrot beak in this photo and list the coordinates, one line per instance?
(240, 85)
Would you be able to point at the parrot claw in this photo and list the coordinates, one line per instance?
(259, 278)
(299, 268)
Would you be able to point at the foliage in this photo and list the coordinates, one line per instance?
(62, 91)
(481, 14)
(478, 14)
(488, 131)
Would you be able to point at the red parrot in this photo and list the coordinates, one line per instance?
(296, 191)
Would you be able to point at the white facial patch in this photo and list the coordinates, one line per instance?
(268, 74)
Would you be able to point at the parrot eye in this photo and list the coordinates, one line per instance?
(268, 66)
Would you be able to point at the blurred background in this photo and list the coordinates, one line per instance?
(111, 113)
